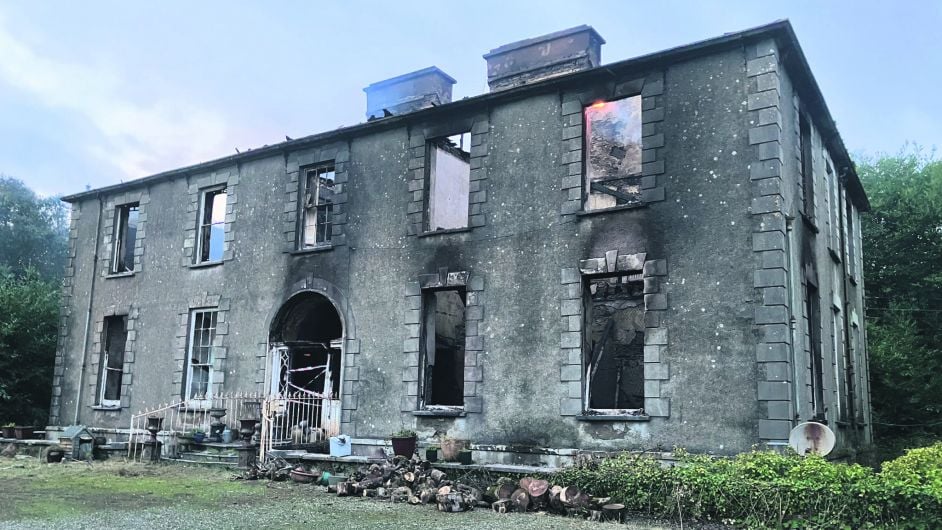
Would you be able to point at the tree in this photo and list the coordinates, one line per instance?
(28, 323)
(903, 271)
(33, 230)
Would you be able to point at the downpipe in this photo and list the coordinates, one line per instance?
(88, 316)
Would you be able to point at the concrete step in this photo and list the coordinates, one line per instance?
(210, 457)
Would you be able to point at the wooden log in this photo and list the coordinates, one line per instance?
(427, 495)
(505, 490)
(437, 475)
(598, 502)
(554, 499)
(520, 500)
(501, 506)
(595, 515)
(343, 489)
(444, 490)
(382, 492)
(539, 492)
(415, 500)
(613, 512)
(369, 493)
(525, 483)
(409, 477)
(400, 494)
(453, 501)
(332, 489)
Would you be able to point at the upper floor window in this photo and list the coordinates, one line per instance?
(212, 225)
(317, 206)
(199, 359)
(807, 167)
(612, 153)
(448, 160)
(125, 235)
(111, 366)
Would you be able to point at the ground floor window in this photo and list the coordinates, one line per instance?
(443, 347)
(112, 361)
(199, 373)
(613, 344)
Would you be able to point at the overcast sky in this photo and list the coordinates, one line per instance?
(94, 93)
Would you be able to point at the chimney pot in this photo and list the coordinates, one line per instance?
(539, 58)
(408, 92)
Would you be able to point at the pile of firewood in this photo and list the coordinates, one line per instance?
(416, 482)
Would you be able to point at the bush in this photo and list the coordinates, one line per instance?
(764, 489)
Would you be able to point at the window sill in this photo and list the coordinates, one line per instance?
(612, 417)
(443, 232)
(583, 213)
(205, 264)
(809, 222)
(834, 255)
(120, 275)
(116, 408)
(853, 279)
(439, 413)
(311, 250)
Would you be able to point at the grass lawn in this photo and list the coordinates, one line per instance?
(134, 496)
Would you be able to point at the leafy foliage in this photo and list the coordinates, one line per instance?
(32, 230)
(28, 320)
(763, 489)
(903, 271)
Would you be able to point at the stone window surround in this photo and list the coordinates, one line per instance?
(196, 185)
(127, 377)
(474, 339)
(572, 182)
(295, 163)
(479, 125)
(769, 242)
(110, 214)
(656, 366)
(65, 309)
(201, 301)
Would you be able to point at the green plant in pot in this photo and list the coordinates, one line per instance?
(431, 453)
(404, 443)
(197, 436)
(8, 430)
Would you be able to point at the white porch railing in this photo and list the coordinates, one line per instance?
(295, 420)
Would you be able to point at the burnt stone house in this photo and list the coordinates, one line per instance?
(661, 251)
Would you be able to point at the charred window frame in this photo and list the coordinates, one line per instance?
(317, 205)
(816, 362)
(442, 348)
(613, 344)
(612, 158)
(211, 229)
(448, 182)
(111, 367)
(807, 166)
(198, 383)
(125, 235)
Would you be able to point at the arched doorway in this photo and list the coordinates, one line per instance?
(306, 343)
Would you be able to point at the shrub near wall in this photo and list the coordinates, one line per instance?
(764, 489)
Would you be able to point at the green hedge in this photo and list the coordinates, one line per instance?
(764, 489)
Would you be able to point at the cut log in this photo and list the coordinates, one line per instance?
(415, 500)
(539, 492)
(613, 512)
(453, 501)
(598, 502)
(437, 475)
(520, 500)
(444, 490)
(409, 477)
(369, 493)
(501, 506)
(343, 489)
(505, 490)
(427, 495)
(555, 502)
(525, 483)
(401, 494)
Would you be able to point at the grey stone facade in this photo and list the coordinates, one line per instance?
(717, 245)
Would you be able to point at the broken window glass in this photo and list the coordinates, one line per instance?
(125, 236)
(200, 355)
(613, 153)
(444, 342)
(614, 348)
(807, 168)
(212, 225)
(318, 206)
(449, 163)
(112, 361)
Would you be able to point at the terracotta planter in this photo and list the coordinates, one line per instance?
(404, 446)
(8, 432)
(451, 448)
(23, 433)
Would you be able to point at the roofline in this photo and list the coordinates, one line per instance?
(781, 30)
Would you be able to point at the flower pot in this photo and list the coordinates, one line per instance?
(302, 477)
(23, 433)
(431, 454)
(198, 437)
(464, 457)
(451, 447)
(404, 446)
(8, 432)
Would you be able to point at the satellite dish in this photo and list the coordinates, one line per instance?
(811, 437)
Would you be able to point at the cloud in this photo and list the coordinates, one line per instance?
(139, 137)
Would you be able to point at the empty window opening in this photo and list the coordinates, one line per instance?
(816, 362)
(807, 170)
(613, 153)
(212, 229)
(443, 351)
(112, 361)
(449, 181)
(613, 351)
(125, 235)
(318, 205)
(199, 380)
